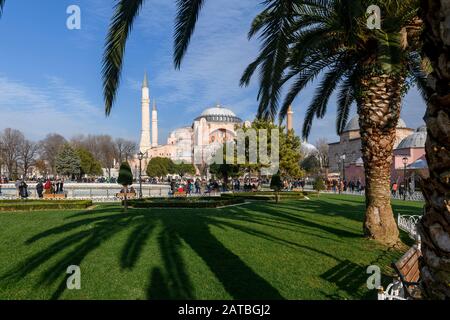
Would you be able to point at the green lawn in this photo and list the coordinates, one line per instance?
(298, 249)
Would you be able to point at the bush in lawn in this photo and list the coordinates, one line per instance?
(125, 179)
(276, 184)
(32, 205)
(185, 202)
(319, 185)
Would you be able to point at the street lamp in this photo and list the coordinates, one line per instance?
(343, 166)
(140, 157)
(405, 162)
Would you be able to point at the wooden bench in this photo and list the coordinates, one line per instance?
(131, 195)
(54, 196)
(406, 286)
(179, 194)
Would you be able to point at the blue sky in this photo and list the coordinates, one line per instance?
(50, 78)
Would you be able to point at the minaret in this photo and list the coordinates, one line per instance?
(144, 145)
(154, 125)
(289, 119)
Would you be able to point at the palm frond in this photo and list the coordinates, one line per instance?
(125, 12)
(276, 35)
(345, 99)
(418, 75)
(187, 15)
(318, 105)
(2, 4)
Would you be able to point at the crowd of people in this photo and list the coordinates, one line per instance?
(202, 186)
(336, 186)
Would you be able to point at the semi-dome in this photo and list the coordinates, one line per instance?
(415, 140)
(219, 114)
(353, 124)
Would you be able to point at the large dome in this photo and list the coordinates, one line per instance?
(415, 140)
(353, 124)
(219, 114)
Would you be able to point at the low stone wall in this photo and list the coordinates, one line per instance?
(93, 191)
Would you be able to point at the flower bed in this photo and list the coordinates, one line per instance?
(33, 205)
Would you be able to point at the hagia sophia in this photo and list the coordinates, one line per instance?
(213, 127)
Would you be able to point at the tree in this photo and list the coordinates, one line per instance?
(322, 154)
(106, 152)
(160, 167)
(276, 184)
(88, 164)
(49, 149)
(373, 68)
(183, 169)
(311, 164)
(125, 149)
(125, 179)
(27, 155)
(290, 155)
(319, 185)
(67, 162)
(41, 166)
(434, 227)
(10, 141)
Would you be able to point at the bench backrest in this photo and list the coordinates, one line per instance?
(408, 265)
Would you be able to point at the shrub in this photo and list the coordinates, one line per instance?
(31, 205)
(319, 185)
(200, 202)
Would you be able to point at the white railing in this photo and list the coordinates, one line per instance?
(415, 196)
(408, 223)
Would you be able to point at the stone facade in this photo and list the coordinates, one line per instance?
(349, 144)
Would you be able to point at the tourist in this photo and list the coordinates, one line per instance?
(394, 189)
(23, 189)
(17, 185)
(197, 186)
(132, 190)
(48, 187)
(60, 186)
(39, 188)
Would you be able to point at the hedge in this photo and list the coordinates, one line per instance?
(200, 202)
(264, 196)
(30, 205)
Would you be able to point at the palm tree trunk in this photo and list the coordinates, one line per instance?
(434, 227)
(379, 110)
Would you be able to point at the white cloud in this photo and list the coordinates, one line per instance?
(51, 107)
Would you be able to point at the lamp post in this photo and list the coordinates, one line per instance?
(343, 167)
(140, 157)
(405, 162)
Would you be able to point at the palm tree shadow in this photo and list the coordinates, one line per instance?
(238, 279)
(79, 238)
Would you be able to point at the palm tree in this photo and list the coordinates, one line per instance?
(434, 227)
(302, 40)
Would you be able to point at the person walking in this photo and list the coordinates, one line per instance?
(23, 190)
(394, 189)
(40, 189)
(48, 187)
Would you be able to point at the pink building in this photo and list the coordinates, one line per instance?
(411, 147)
